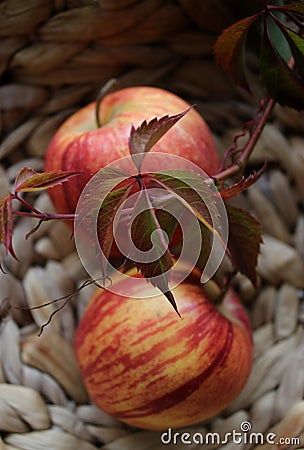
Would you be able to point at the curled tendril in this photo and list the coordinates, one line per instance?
(65, 298)
(232, 153)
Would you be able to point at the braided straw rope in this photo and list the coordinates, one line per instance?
(54, 57)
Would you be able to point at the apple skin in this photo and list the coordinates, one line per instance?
(149, 368)
(79, 145)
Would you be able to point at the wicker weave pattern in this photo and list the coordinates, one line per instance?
(54, 57)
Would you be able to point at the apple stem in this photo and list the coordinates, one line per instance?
(97, 118)
(106, 88)
(238, 167)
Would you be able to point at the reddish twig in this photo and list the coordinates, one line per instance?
(239, 166)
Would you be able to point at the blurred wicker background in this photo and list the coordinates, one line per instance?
(54, 57)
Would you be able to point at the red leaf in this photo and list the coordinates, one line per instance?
(230, 50)
(242, 185)
(207, 238)
(6, 224)
(29, 180)
(143, 138)
(96, 211)
(245, 237)
(168, 223)
(156, 268)
(106, 216)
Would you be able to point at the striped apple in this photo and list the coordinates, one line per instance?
(151, 369)
(80, 145)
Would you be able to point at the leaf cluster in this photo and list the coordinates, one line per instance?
(151, 227)
(27, 180)
(148, 216)
(281, 56)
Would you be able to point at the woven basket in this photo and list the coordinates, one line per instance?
(54, 57)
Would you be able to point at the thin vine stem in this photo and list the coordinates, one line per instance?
(239, 166)
(25, 203)
(44, 216)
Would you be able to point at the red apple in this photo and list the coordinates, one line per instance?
(151, 369)
(80, 145)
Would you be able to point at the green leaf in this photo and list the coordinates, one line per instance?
(193, 192)
(280, 81)
(294, 7)
(296, 43)
(155, 267)
(230, 50)
(245, 237)
(167, 222)
(29, 180)
(273, 22)
(143, 138)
